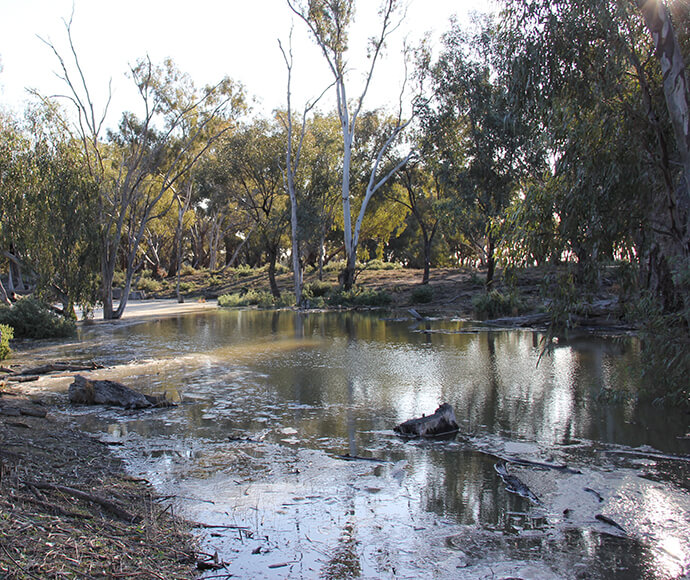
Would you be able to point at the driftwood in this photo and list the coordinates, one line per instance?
(60, 367)
(348, 457)
(514, 484)
(106, 504)
(101, 392)
(442, 422)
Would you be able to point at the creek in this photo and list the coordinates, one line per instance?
(271, 403)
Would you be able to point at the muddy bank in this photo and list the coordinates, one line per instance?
(69, 510)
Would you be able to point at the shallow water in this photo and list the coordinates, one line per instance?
(271, 401)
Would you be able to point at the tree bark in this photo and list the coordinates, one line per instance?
(490, 262)
(4, 299)
(442, 422)
(658, 21)
(272, 259)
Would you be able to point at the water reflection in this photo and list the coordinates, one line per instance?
(269, 399)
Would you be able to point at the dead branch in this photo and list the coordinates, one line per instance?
(107, 505)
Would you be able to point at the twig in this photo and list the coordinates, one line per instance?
(17, 564)
(104, 503)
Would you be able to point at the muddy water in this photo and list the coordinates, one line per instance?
(272, 403)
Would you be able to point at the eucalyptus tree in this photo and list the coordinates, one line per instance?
(251, 175)
(320, 181)
(147, 157)
(293, 156)
(470, 127)
(419, 190)
(47, 209)
(329, 22)
(584, 71)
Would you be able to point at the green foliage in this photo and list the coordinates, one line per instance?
(316, 289)
(360, 297)
(665, 355)
(187, 270)
(6, 334)
(118, 279)
(495, 304)
(260, 298)
(665, 342)
(31, 318)
(187, 287)
(422, 294)
(149, 285)
(381, 265)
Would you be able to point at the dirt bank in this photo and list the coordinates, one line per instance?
(68, 509)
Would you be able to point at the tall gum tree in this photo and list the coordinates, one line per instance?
(149, 156)
(329, 22)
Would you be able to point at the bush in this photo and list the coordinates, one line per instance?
(495, 304)
(422, 294)
(187, 287)
(187, 270)
(358, 297)
(31, 318)
(259, 298)
(149, 285)
(118, 279)
(6, 334)
(316, 289)
(381, 265)
(243, 271)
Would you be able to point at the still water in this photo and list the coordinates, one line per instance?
(272, 403)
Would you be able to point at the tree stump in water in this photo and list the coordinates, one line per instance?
(101, 392)
(442, 422)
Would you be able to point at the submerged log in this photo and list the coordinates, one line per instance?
(515, 485)
(102, 392)
(442, 422)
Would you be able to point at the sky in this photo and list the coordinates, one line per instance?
(208, 39)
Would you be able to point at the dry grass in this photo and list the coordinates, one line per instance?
(68, 510)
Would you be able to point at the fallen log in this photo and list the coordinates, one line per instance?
(60, 367)
(102, 392)
(514, 484)
(441, 423)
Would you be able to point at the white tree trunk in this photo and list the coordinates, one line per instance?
(658, 21)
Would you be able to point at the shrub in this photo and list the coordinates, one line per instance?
(6, 334)
(187, 287)
(149, 285)
(118, 279)
(381, 265)
(358, 297)
(243, 270)
(422, 294)
(259, 298)
(31, 318)
(187, 270)
(316, 289)
(494, 304)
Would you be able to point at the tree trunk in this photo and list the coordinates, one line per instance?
(272, 258)
(4, 299)
(442, 422)
(490, 263)
(347, 275)
(658, 21)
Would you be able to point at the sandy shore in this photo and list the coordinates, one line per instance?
(157, 308)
